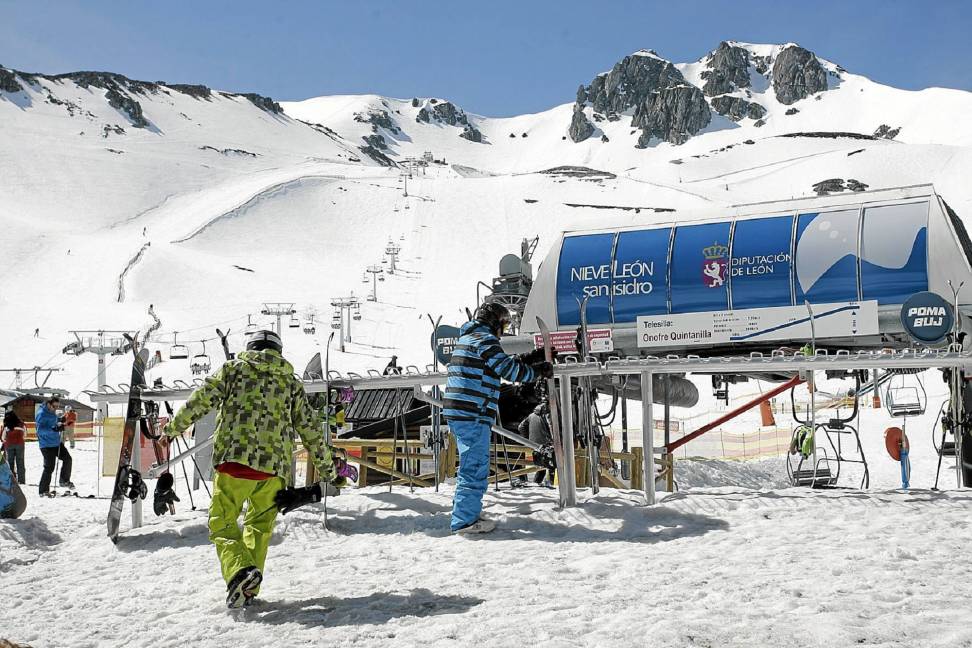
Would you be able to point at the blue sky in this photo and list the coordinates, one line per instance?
(492, 57)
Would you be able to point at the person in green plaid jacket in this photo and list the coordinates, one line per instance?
(259, 405)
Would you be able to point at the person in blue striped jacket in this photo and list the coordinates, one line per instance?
(470, 406)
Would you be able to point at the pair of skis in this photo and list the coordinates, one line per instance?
(588, 428)
(585, 411)
(563, 479)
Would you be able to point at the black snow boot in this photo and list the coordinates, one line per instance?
(241, 586)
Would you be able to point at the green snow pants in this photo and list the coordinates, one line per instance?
(247, 547)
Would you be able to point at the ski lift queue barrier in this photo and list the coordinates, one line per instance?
(776, 362)
(381, 455)
(83, 430)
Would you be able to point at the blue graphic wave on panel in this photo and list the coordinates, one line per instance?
(895, 285)
(837, 284)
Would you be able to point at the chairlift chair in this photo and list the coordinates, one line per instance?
(381, 277)
(294, 322)
(903, 399)
(200, 362)
(356, 315)
(800, 465)
(177, 351)
(364, 279)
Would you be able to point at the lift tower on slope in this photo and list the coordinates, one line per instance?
(392, 250)
(101, 343)
(279, 310)
(352, 306)
(375, 271)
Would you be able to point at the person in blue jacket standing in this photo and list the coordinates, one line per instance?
(471, 403)
(49, 428)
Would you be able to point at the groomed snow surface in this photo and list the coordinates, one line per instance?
(712, 565)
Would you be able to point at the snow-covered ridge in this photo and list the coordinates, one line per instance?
(306, 200)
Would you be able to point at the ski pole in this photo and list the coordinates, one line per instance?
(185, 476)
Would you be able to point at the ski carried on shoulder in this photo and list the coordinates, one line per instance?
(554, 407)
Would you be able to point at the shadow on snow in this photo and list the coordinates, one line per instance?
(373, 609)
(526, 516)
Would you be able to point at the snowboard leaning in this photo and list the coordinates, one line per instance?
(128, 481)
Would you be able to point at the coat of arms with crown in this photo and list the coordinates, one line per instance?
(715, 265)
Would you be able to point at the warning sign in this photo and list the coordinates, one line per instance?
(598, 341)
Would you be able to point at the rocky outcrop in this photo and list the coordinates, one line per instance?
(886, 132)
(377, 155)
(737, 108)
(376, 141)
(472, 134)
(378, 119)
(447, 113)
(263, 103)
(194, 91)
(665, 105)
(8, 81)
(728, 70)
(127, 105)
(836, 185)
(107, 81)
(797, 74)
(580, 127)
(672, 115)
(631, 81)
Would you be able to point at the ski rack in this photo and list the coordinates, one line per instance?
(777, 362)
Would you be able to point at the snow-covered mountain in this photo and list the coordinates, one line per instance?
(117, 194)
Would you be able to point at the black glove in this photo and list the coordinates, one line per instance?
(531, 357)
(535, 356)
(59, 427)
(545, 369)
(288, 499)
(165, 497)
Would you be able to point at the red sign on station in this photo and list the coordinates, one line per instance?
(598, 341)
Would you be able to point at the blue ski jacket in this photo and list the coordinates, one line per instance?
(478, 362)
(45, 422)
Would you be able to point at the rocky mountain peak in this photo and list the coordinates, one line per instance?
(727, 70)
(797, 74)
(662, 103)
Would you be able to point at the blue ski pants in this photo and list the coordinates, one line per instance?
(472, 441)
